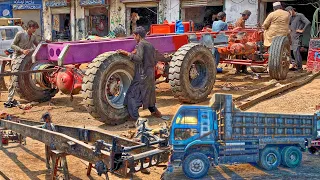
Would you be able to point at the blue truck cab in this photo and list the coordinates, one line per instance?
(201, 136)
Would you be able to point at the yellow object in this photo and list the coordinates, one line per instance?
(276, 24)
(187, 120)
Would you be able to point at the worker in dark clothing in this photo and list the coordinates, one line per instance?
(298, 24)
(142, 89)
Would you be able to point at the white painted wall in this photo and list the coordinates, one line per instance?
(171, 10)
(233, 8)
(47, 24)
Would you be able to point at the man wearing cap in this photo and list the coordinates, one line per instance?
(241, 24)
(298, 24)
(242, 20)
(276, 24)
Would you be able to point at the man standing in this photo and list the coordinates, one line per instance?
(241, 24)
(142, 89)
(242, 20)
(46, 118)
(221, 24)
(23, 43)
(218, 26)
(298, 24)
(276, 24)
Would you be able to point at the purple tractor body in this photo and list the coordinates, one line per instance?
(190, 72)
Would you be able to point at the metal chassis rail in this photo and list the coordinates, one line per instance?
(79, 142)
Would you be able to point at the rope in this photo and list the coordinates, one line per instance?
(315, 28)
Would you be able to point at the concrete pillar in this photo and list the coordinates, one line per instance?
(79, 21)
(117, 11)
(47, 21)
(73, 20)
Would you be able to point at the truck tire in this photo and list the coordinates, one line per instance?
(196, 165)
(279, 58)
(269, 158)
(258, 69)
(105, 83)
(291, 157)
(192, 73)
(25, 86)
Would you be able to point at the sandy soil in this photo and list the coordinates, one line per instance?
(27, 162)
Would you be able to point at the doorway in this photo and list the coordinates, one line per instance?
(145, 17)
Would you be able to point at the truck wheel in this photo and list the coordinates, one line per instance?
(270, 158)
(196, 165)
(258, 69)
(192, 73)
(105, 84)
(279, 58)
(28, 86)
(291, 156)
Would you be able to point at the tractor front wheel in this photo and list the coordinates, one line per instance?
(192, 73)
(104, 87)
(279, 58)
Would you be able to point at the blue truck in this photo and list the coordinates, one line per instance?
(202, 136)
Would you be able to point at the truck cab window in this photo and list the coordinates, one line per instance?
(187, 117)
(183, 134)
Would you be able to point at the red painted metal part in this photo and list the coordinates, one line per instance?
(160, 70)
(67, 79)
(313, 62)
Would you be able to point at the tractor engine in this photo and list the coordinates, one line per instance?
(161, 69)
(67, 79)
(242, 43)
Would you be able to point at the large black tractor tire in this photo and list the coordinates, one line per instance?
(279, 58)
(192, 73)
(269, 158)
(25, 86)
(3, 86)
(96, 100)
(291, 157)
(196, 165)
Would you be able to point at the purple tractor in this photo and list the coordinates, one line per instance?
(55, 66)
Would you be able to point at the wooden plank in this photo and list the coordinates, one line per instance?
(276, 91)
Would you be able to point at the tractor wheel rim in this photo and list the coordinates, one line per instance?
(196, 166)
(271, 159)
(39, 81)
(285, 58)
(117, 85)
(198, 74)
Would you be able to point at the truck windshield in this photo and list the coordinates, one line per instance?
(187, 117)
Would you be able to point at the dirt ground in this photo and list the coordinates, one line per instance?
(27, 162)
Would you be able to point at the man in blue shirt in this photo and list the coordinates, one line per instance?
(221, 24)
(218, 26)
